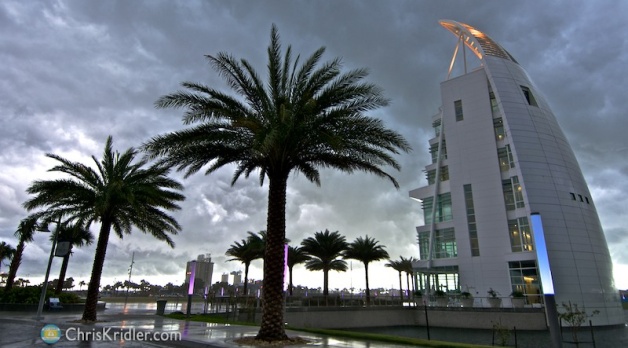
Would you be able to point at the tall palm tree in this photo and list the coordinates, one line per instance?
(247, 251)
(296, 256)
(406, 265)
(119, 194)
(325, 250)
(6, 252)
(76, 236)
(366, 251)
(305, 117)
(24, 233)
(399, 267)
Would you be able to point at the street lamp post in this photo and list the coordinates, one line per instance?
(44, 288)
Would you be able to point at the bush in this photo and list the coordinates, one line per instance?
(31, 294)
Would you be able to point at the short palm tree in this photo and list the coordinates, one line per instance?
(325, 250)
(305, 117)
(25, 233)
(366, 251)
(120, 194)
(247, 251)
(6, 252)
(76, 236)
(81, 285)
(399, 267)
(296, 256)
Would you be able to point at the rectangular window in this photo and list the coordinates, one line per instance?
(458, 108)
(443, 209)
(513, 193)
(434, 151)
(437, 127)
(473, 230)
(520, 235)
(498, 124)
(444, 244)
(528, 95)
(506, 160)
(494, 107)
(524, 277)
(431, 175)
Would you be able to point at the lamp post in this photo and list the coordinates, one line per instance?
(44, 288)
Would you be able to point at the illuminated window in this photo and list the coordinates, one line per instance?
(498, 124)
(524, 277)
(444, 244)
(513, 193)
(506, 160)
(520, 235)
(458, 108)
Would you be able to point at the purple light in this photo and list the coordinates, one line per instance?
(285, 268)
(192, 276)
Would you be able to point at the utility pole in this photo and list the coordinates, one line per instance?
(129, 282)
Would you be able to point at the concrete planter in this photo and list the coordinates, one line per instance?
(466, 302)
(518, 302)
(442, 301)
(494, 302)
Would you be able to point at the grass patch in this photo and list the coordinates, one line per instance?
(220, 318)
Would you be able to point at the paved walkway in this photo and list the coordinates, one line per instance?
(22, 330)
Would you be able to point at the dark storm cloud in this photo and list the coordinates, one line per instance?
(73, 72)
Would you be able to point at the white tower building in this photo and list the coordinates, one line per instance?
(498, 158)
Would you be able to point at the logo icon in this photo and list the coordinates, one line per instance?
(50, 334)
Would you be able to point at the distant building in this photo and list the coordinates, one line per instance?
(237, 278)
(204, 269)
(500, 162)
(225, 278)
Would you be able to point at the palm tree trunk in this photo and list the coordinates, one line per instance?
(368, 291)
(246, 278)
(15, 264)
(272, 325)
(400, 288)
(64, 268)
(290, 283)
(89, 314)
(408, 281)
(326, 286)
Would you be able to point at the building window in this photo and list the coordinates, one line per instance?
(443, 208)
(473, 229)
(494, 107)
(573, 195)
(506, 160)
(520, 235)
(513, 193)
(458, 108)
(437, 127)
(529, 96)
(434, 151)
(431, 175)
(524, 277)
(580, 196)
(444, 244)
(498, 124)
(586, 199)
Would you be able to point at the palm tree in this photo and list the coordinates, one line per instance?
(119, 194)
(248, 250)
(81, 285)
(76, 236)
(366, 251)
(406, 265)
(324, 250)
(399, 267)
(296, 256)
(305, 117)
(24, 233)
(6, 252)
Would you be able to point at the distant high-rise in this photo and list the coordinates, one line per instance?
(204, 269)
(225, 278)
(237, 278)
(501, 172)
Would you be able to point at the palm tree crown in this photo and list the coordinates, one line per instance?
(325, 250)
(25, 233)
(6, 251)
(305, 117)
(296, 256)
(366, 251)
(76, 236)
(247, 251)
(398, 266)
(119, 194)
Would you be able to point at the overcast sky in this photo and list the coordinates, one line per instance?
(74, 72)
